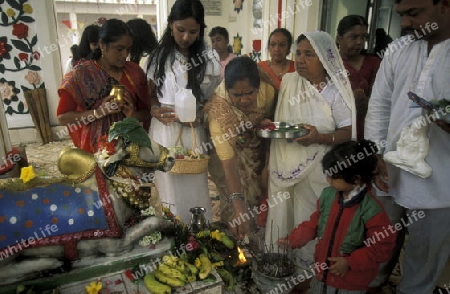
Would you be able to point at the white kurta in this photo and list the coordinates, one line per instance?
(408, 67)
(182, 191)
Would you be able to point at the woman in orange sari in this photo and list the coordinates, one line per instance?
(273, 70)
(85, 105)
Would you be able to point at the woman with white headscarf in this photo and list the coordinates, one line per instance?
(318, 95)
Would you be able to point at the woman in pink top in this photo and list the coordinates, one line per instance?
(220, 42)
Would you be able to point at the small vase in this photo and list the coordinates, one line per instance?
(198, 221)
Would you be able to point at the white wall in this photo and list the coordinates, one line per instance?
(342, 8)
(57, 39)
(300, 16)
(236, 23)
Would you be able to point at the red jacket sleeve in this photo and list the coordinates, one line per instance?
(306, 231)
(379, 244)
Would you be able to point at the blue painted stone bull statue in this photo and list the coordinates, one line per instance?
(84, 213)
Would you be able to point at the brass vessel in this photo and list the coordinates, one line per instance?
(117, 91)
(198, 221)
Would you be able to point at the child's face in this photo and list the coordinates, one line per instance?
(340, 184)
(219, 43)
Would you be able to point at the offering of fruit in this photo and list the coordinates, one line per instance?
(269, 127)
(181, 153)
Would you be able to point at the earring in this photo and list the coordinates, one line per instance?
(171, 33)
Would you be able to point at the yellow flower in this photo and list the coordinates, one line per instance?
(10, 12)
(217, 235)
(93, 287)
(27, 8)
(197, 263)
(27, 174)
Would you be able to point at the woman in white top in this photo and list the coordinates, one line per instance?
(318, 95)
(182, 61)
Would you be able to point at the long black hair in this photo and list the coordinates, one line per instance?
(89, 35)
(75, 53)
(144, 40)
(181, 10)
(112, 30)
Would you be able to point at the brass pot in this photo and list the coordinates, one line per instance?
(117, 91)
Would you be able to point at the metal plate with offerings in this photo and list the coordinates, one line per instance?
(282, 130)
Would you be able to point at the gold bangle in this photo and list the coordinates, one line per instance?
(332, 140)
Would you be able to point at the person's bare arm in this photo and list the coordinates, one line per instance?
(107, 107)
(314, 137)
(166, 115)
(234, 187)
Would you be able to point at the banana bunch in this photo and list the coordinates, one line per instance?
(173, 272)
(154, 286)
(204, 265)
(171, 277)
(189, 270)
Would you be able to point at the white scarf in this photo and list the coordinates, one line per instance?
(291, 162)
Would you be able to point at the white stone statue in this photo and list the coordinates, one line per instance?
(106, 202)
(412, 148)
(257, 13)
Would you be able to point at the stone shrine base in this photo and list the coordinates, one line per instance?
(110, 271)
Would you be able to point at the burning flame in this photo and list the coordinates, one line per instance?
(242, 258)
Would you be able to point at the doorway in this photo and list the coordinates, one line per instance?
(378, 13)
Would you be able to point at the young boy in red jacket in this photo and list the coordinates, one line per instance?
(354, 233)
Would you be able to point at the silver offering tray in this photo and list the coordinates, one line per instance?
(283, 130)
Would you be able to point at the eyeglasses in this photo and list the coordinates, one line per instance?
(236, 95)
